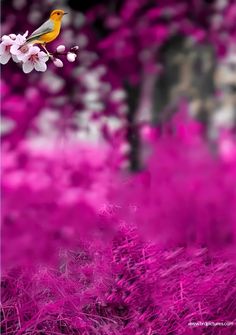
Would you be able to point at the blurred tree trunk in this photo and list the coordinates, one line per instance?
(133, 133)
(188, 72)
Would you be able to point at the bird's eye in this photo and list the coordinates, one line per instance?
(58, 13)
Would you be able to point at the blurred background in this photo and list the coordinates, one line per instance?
(137, 62)
(119, 169)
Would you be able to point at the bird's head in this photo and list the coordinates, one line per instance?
(57, 14)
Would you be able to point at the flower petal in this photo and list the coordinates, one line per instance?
(27, 67)
(43, 56)
(24, 58)
(40, 66)
(34, 50)
(4, 58)
(12, 36)
(14, 49)
(4, 37)
(16, 59)
(26, 33)
(2, 49)
(7, 40)
(20, 40)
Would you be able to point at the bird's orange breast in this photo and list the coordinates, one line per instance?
(49, 37)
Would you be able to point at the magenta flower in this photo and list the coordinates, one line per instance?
(35, 59)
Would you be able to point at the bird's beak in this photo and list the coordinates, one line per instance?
(65, 13)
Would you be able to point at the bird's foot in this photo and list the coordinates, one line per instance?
(47, 52)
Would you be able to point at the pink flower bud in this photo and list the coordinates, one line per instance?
(75, 48)
(57, 62)
(71, 57)
(61, 48)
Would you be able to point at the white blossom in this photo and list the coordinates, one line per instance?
(19, 48)
(35, 59)
(5, 47)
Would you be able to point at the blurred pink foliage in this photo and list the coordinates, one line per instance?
(51, 198)
(186, 194)
(152, 253)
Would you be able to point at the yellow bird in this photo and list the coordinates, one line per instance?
(49, 30)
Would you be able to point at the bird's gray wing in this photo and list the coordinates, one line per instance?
(45, 28)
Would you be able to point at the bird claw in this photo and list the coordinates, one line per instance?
(47, 52)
